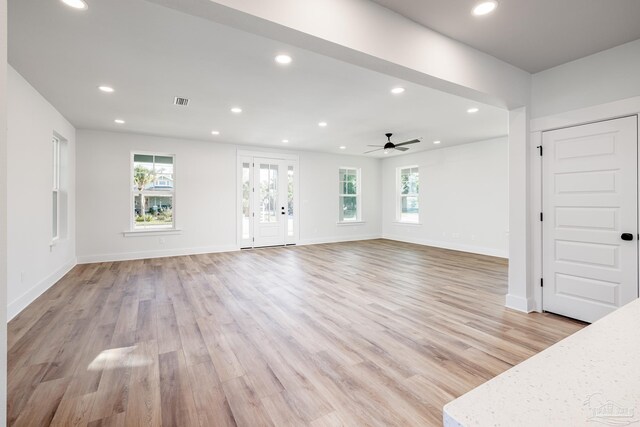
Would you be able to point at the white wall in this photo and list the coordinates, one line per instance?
(464, 201)
(33, 264)
(205, 205)
(3, 209)
(604, 77)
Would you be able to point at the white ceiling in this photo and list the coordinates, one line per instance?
(150, 54)
(531, 34)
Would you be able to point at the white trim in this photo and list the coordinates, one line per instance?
(341, 223)
(129, 256)
(406, 223)
(267, 154)
(498, 253)
(519, 303)
(152, 232)
(20, 303)
(596, 113)
(535, 140)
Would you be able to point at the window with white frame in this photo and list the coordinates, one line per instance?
(408, 189)
(349, 194)
(55, 207)
(152, 191)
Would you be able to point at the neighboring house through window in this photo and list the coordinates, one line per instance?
(349, 195)
(152, 191)
(408, 207)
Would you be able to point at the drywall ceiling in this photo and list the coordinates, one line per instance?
(150, 54)
(533, 35)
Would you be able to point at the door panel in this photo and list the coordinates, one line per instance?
(269, 225)
(590, 197)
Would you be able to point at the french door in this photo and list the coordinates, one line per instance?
(590, 223)
(269, 205)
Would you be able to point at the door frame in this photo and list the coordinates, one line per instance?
(243, 156)
(610, 111)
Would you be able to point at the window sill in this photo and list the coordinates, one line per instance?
(406, 223)
(154, 232)
(350, 223)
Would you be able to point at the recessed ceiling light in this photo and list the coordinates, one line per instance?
(342, 147)
(215, 132)
(386, 151)
(107, 89)
(285, 141)
(397, 90)
(322, 124)
(283, 59)
(473, 110)
(119, 121)
(437, 142)
(484, 7)
(236, 110)
(76, 4)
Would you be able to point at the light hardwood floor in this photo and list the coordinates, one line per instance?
(375, 333)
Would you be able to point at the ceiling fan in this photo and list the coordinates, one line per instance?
(391, 146)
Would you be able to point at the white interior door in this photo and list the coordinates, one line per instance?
(590, 223)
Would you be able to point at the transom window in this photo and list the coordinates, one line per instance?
(408, 194)
(152, 191)
(349, 194)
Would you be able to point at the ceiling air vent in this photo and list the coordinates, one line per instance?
(181, 101)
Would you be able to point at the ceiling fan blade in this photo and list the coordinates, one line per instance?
(377, 149)
(402, 148)
(375, 145)
(413, 141)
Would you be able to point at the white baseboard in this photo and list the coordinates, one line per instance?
(448, 245)
(526, 305)
(163, 253)
(20, 303)
(319, 241)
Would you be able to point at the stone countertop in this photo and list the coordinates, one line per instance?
(590, 378)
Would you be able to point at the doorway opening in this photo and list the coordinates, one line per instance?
(268, 209)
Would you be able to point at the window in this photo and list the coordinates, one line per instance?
(55, 208)
(408, 190)
(152, 191)
(349, 195)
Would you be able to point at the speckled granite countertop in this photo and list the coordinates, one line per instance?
(590, 378)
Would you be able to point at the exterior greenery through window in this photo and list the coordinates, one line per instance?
(152, 191)
(349, 194)
(408, 191)
(55, 234)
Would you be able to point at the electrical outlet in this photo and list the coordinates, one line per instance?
(22, 277)
(161, 240)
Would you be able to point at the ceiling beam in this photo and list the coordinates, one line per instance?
(366, 34)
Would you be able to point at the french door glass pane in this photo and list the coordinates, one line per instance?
(246, 201)
(268, 193)
(153, 211)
